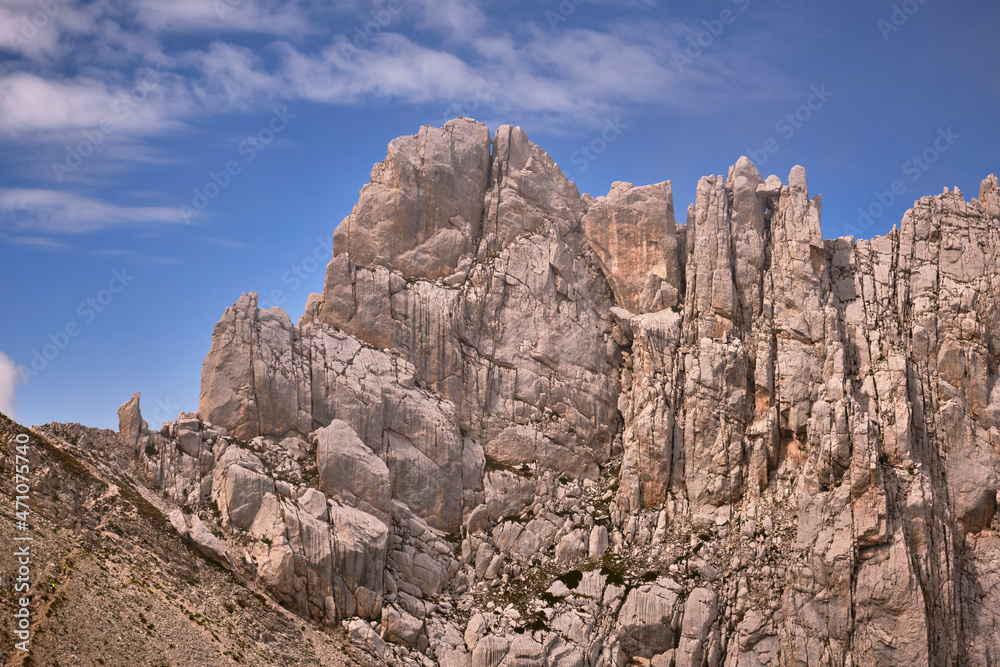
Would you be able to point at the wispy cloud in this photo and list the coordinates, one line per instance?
(432, 52)
(260, 16)
(231, 78)
(40, 243)
(458, 19)
(30, 104)
(52, 211)
(40, 31)
(394, 68)
(9, 380)
(46, 244)
(575, 76)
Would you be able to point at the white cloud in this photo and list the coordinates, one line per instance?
(561, 79)
(36, 30)
(39, 242)
(574, 76)
(30, 103)
(261, 16)
(232, 78)
(579, 75)
(459, 19)
(52, 211)
(9, 379)
(394, 67)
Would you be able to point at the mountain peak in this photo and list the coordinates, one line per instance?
(524, 425)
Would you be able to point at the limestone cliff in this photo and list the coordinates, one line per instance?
(724, 442)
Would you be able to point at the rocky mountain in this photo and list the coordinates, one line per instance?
(524, 427)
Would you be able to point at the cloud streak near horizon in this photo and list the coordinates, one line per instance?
(9, 380)
(52, 211)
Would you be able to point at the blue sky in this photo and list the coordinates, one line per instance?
(159, 157)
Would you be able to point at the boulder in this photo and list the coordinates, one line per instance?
(208, 544)
(130, 424)
(178, 522)
(239, 493)
(349, 468)
(400, 627)
(648, 620)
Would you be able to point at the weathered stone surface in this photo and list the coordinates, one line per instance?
(571, 547)
(163, 462)
(598, 543)
(359, 549)
(178, 522)
(208, 544)
(423, 209)
(400, 627)
(498, 348)
(526, 652)
(363, 633)
(332, 376)
(807, 430)
(989, 196)
(651, 387)
(250, 378)
(634, 236)
(130, 423)
(490, 651)
(647, 621)
(698, 644)
(347, 466)
(189, 441)
(314, 502)
(239, 491)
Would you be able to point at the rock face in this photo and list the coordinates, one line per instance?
(328, 377)
(634, 235)
(521, 426)
(515, 332)
(347, 466)
(423, 210)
